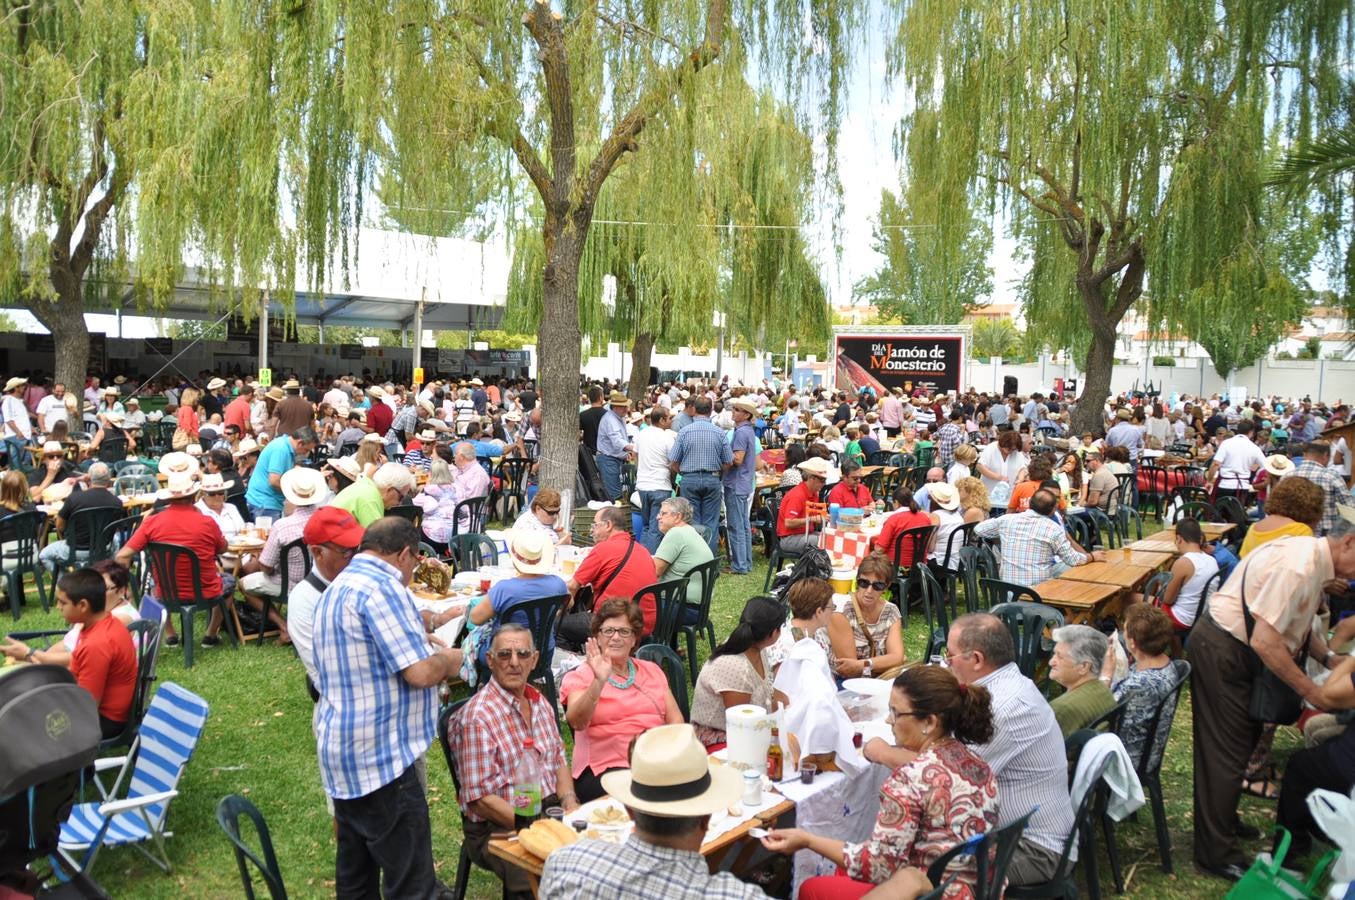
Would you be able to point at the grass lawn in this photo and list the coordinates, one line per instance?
(258, 743)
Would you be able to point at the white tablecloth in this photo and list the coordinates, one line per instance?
(836, 805)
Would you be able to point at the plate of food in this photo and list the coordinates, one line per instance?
(603, 819)
(432, 579)
(875, 688)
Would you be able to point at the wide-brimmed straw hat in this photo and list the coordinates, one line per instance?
(216, 384)
(747, 406)
(815, 466)
(212, 482)
(671, 775)
(303, 486)
(180, 484)
(346, 466)
(178, 463)
(1279, 465)
(247, 446)
(616, 398)
(944, 495)
(14, 383)
(275, 393)
(532, 552)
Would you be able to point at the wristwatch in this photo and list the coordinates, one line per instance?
(1326, 660)
(868, 670)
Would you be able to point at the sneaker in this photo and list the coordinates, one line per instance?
(211, 640)
(173, 640)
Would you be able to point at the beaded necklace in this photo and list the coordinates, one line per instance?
(630, 680)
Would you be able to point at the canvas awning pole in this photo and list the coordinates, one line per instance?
(418, 328)
(263, 330)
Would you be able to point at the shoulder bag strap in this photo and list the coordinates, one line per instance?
(602, 588)
(1249, 621)
(870, 641)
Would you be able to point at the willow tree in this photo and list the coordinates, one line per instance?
(935, 267)
(131, 132)
(1125, 140)
(557, 96)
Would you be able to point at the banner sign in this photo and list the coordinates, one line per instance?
(933, 362)
(461, 361)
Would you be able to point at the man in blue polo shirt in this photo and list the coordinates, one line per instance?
(264, 495)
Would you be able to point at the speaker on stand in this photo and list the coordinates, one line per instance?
(1008, 385)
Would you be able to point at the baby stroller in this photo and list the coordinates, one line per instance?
(51, 729)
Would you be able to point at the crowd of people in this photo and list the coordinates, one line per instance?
(369, 475)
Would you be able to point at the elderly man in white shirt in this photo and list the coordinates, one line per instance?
(1236, 461)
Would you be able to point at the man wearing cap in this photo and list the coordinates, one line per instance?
(478, 396)
(332, 535)
(614, 445)
(488, 738)
(418, 452)
(304, 490)
(293, 411)
(182, 523)
(1126, 434)
(55, 468)
(797, 527)
(700, 455)
(18, 426)
(264, 495)
(214, 401)
(737, 483)
(377, 674)
(75, 536)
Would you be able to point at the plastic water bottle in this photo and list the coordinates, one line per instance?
(527, 787)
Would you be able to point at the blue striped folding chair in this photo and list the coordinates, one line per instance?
(165, 742)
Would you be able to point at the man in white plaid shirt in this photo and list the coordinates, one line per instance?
(1035, 547)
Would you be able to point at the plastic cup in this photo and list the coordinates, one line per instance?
(555, 812)
(937, 659)
(807, 773)
(484, 585)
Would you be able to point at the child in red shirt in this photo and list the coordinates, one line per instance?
(104, 661)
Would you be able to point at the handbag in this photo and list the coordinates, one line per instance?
(1267, 877)
(1272, 701)
(572, 632)
(180, 440)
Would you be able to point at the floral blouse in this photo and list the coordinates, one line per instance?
(865, 634)
(946, 795)
(1146, 690)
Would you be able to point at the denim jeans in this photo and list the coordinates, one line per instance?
(18, 452)
(609, 467)
(738, 532)
(703, 491)
(649, 511)
(257, 511)
(385, 844)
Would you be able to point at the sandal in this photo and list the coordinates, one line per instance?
(1265, 788)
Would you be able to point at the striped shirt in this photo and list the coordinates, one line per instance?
(701, 447)
(370, 724)
(1031, 544)
(1026, 754)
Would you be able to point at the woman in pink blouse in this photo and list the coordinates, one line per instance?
(614, 698)
(940, 795)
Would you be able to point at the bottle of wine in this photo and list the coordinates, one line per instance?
(774, 757)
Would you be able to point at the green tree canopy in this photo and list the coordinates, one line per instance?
(1125, 141)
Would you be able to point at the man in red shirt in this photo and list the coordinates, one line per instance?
(182, 523)
(380, 416)
(104, 659)
(237, 412)
(796, 527)
(604, 570)
(850, 493)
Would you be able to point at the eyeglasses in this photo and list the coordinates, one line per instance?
(550, 512)
(213, 493)
(616, 632)
(874, 585)
(948, 655)
(896, 714)
(505, 655)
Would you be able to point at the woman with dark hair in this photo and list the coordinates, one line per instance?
(943, 796)
(867, 637)
(795, 454)
(737, 672)
(614, 698)
(1148, 635)
(811, 606)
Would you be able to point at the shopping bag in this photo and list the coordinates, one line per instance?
(1335, 814)
(1267, 879)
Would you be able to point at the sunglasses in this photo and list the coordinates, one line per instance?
(505, 655)
(874, 585)
(214, 493)
(551, 512)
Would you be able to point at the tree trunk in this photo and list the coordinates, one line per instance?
(640, 354)
(65, 319)
(559, 348)
(1096, 374)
